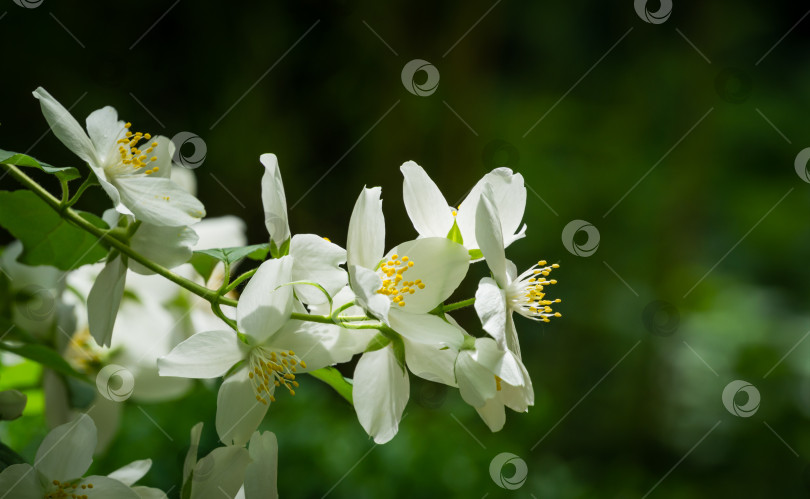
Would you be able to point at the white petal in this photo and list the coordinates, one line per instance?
(490, 238)
(220, 232)
(274, 201)
(266, 304)
(159, 201)
(67, 450)
(365, 283)
(104, 130)
(321, 345)
(164, 152)
(204, 355)
(476, 383)
(439, 263)
(424, 202)
(168, 246)
(185, 178)
(191, 455)
(512, 342)
(518, 398)
(502, 363)
(66, 128)
(493, 414)
(104, 300)
(425, 328)
(431, 362)
(132, 472)
(317, 260)
(490, 305)
(381, 390)
(21, 482)
(107, 487)
(365, 243)
(220, 474)
(509, 197)
(261, 474)
(238, 411)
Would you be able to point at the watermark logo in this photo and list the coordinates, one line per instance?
(409, 78)
(801, 164)
(504, 481)
(749, 408)
(115, 383)
(36, 303)
(658, 17)
(182, 157)
(661, 318)
(28, 4)
(587, 248)
(733, 85)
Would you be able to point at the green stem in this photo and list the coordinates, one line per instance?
(74, 218)
(219, 313)
(65, 192)
(239, 280)
(90, 180)
(457, 305)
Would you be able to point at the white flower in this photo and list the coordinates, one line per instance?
(37, 290)
(61, 461)
(490, 378)
(399, 288)
(431, 215)
(277, 350)
(496, 299)
(403, 286)
(316, 259)
(136, 178)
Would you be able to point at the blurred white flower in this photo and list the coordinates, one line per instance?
(61, 461)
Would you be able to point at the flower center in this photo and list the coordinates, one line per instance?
(67, 489)
(271, 368)
(134, 157)
(394, 284)
(525, 294)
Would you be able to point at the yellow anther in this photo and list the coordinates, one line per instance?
(128, 124)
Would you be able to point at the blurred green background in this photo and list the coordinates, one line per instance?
(715, 225)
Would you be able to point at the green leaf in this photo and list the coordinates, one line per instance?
(45, 356)
(333, 378)
(17, 159)
(204, 261)
(47, 238)
(455, 234)
(260, 254)
(475, 254)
